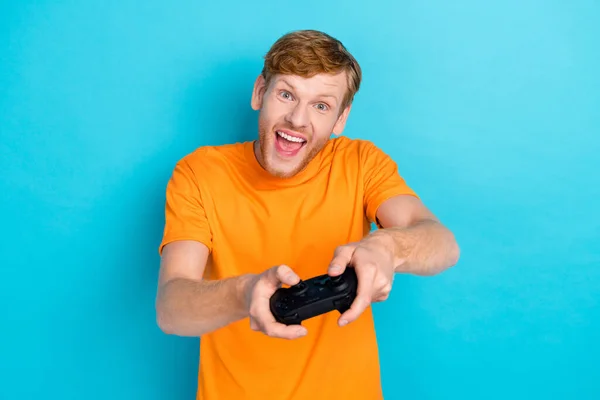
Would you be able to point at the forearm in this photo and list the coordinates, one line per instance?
(425, 248)
(192, 308)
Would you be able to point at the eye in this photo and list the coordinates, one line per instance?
(286, 95)
(322, 107)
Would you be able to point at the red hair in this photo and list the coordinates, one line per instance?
(307, 53)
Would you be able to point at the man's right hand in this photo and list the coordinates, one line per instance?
(258, 295)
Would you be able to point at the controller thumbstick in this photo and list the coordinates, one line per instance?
(299, 288)
(338, 283)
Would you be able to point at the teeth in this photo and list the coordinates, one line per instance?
(290, 138)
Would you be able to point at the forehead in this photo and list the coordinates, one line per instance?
(320, 84)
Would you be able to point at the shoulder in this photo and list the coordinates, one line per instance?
(212, 158)
(361, 150)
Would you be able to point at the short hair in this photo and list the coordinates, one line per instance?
(309, 52)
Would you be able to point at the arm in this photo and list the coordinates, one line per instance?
(420, 244)
(411, 240)
(187, 305)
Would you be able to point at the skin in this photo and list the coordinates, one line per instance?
(305, 107)
(412, 240)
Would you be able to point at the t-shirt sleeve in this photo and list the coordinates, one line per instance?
(185, 217)
(381, 178)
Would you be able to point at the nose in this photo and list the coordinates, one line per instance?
(298, 116)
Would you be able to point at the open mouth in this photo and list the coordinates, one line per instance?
(288, 145)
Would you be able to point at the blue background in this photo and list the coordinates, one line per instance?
(491, 109)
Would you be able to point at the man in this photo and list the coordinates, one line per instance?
(243, 219)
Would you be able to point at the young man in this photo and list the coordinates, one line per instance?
(244, 219)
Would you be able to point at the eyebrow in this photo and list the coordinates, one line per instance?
(320, 95)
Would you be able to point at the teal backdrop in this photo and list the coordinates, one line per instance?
(491, 109)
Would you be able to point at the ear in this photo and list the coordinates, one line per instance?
(258, 93)
(340, 124)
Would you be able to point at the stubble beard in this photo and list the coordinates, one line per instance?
(266, 138)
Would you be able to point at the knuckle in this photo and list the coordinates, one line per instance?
(269, 331)
(258, 286)
(383, 285)
(254, 313)
(368, 268)
(343, 249)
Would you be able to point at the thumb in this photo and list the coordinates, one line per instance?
(283, 274)
(341, 258)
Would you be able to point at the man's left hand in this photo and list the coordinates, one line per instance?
(373, 260)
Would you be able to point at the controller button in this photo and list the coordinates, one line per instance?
(339, 285)
(322, 281)
(299, 288)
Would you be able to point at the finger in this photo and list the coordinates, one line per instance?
(277, 330)
(272, 279)
(381, 288)
(366, 277)
(266, 323)
(380, 297)
(384, 292)
(341, 258)
(254, 325)
(284, 274)
(261, 317)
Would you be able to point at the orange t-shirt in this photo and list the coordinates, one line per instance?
(251, 221)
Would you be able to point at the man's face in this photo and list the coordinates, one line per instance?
(297, 117)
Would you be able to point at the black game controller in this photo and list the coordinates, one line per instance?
(314, 296)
